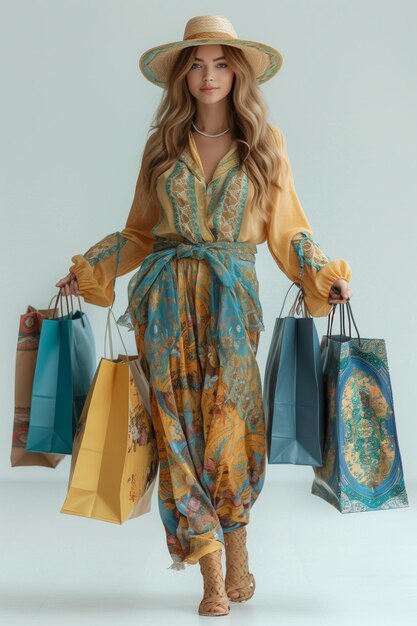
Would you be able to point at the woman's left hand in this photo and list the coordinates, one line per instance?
(345, 292)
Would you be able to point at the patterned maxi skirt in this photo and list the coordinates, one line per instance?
(197, 318)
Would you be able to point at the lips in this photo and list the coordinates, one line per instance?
(209, 89)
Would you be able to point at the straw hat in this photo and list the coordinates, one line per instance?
(156, 63)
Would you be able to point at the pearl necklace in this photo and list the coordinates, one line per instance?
(207, 135)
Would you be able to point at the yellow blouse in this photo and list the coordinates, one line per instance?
(192, 211)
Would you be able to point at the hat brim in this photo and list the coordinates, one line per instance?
(155, 64)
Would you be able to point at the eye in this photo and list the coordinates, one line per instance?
(195, 65)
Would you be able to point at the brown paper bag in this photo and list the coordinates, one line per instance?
(26, 354)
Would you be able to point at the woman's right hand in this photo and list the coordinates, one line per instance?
(68, 285)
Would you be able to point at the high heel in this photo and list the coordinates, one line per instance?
(238, 577)
(215, 596)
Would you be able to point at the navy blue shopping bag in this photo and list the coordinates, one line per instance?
(293, 392)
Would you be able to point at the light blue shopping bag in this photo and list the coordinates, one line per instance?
(64, 371)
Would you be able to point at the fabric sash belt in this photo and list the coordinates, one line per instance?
(216, 253)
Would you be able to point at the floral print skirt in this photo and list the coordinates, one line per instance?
(197, 319)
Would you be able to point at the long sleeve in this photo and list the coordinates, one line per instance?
(95, 270)
(290, 241)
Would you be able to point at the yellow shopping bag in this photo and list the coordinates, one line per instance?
(115, 459)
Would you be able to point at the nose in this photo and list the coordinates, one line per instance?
(207, 75)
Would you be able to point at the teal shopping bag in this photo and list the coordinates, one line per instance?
(64, 371)
(362, 468)
(293, 393)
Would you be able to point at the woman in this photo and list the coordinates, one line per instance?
(214, 181)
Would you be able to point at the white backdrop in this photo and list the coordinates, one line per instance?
(74, 112)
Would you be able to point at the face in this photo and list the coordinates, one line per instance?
(209, 69)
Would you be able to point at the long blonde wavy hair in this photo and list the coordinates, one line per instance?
(258, 150)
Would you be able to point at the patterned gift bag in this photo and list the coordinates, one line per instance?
(362, 468)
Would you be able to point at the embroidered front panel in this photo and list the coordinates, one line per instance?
(181, 192)
(213, 191)
(228, 213)
(104, 248)
(308, 251)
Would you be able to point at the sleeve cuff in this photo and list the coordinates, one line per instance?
(89, 288)
(317, 303)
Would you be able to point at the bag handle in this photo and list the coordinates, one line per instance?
(59, 295)
(298, 307)
(110, 311)
(342, 309)
(108, 330)
(283, 304)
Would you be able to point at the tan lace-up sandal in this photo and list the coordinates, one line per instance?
(214, 602)
(240, 583)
